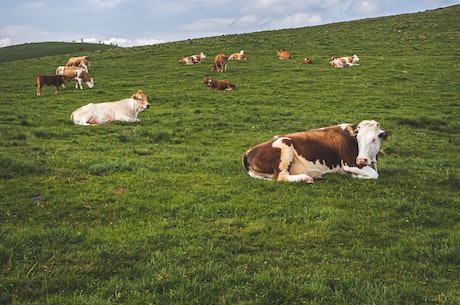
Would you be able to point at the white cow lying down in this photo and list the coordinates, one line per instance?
(124, 110)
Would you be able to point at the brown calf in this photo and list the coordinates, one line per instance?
(50, 80)
(218, 84)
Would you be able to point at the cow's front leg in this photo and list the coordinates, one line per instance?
(78, 83)
(366, 172)
(285, 176)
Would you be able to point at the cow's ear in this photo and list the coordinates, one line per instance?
(353, 130)
(385, 135)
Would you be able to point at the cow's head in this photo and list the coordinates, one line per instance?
(368, 134)
(90, 84)
(141, 100)
(355, 58)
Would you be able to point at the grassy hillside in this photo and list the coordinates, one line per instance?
(40, 49)
(161, 212)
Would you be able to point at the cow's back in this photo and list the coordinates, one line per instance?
(330, 146)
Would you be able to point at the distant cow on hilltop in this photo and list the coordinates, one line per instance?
(218, 84)
(238, 56)
(192, 59)
(340, 62)
(282, 54)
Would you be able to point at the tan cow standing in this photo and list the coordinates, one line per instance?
(81, 61)
(220, 63)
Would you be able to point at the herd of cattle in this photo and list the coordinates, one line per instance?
(302, 156)
(220, 65)
(76, 69)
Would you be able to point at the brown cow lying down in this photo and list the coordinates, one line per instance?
(50, 80)
(307, 61)
(282, 54)
(218, 84)
(124, 110)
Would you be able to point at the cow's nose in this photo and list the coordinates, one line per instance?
(147, 106)
(361, 161)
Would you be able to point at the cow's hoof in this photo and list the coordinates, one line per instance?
(309, 180)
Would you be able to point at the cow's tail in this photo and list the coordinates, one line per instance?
(245, 162)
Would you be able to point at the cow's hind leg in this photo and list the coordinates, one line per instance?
(286, 158)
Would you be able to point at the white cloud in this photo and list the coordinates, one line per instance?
(105, 4)
(365, 7)
(4, 42)
(296, 20)
(208, 24)
(124, 42)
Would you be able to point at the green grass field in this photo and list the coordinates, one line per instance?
(161, 211)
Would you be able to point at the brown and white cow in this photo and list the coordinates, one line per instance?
(307, 61)
(50, 80)
(306, 156)
(193, 59)
(282, 54)
(218, 84)
(124, 110)
(81, 61)
(238, 56)
(78, 74)
(220, 63)
(347, 61)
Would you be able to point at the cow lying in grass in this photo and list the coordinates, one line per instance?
(347, 61)
(50, 80)
(218, 84)
(308, 155)
(193, 59)
(238, 56)
(124, 110)
(282, 54)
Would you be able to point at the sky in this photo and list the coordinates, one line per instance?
(128, 23)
